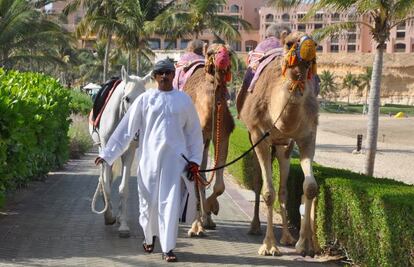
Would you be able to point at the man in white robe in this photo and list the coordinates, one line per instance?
(168, 126)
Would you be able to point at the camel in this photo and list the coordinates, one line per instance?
(123, 96)
(207, 88)
(283, 103)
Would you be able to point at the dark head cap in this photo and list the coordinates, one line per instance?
(164, 65)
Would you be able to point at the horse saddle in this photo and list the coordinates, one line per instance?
(102, 98)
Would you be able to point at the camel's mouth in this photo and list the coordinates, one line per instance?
(222, 58)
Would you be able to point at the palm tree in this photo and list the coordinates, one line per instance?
(28, 39)
(100, 19)
(365, 79)
(132, 35)
(385, 15)
(349, 82)
(193, 17)
(328, 85)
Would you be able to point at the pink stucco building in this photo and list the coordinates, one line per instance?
(260, 17)
(356, 40)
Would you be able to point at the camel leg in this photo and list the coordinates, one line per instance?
(127, 159)
(305, 244)
(107, 178)
(257, 187)
(265, 161)
(197, 228)
(283, 157)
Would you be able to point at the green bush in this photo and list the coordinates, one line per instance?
(80, 103)
(371, 217)
(34, 122)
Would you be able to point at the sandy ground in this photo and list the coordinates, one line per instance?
(337, 138)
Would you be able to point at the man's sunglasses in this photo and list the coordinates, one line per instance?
(162, 72)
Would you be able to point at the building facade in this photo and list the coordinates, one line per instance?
(357, 40)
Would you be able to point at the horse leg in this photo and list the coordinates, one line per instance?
(197, 228)
(107, 179)
(257, 187)
(265, 160)
(127, 159)
(305, 245)
(283, 157)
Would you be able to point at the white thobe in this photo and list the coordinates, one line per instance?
(168, 126)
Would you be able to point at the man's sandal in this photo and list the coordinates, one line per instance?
(169, 256)
(149, 248)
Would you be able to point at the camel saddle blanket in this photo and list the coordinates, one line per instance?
(102, 99)
(185, 67)
(261, 56)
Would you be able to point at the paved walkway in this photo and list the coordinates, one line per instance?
(50, 224)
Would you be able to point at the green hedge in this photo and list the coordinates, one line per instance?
(80, 103)
(34, 123)
(372, 218)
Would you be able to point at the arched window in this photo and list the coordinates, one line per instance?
(269, 18)
(335, 17)
(234, 9)
(250, 45)
(399, 48)
(285, 17)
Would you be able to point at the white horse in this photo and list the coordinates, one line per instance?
(122, 97)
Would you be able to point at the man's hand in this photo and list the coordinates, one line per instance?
(192, 170)
(99, 160)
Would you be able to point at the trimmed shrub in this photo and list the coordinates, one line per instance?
(372, 218)
(80, 103)
(34, 123)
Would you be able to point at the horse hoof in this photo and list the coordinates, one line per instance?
(201, 234)
(124, 234)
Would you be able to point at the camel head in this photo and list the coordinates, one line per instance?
(299, 63)
(218, 62)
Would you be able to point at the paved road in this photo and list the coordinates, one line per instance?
(50, 224)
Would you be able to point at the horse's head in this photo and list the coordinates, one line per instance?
(134, 86)
(218, 62)
(299, 62)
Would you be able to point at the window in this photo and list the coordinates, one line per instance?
(400, 35)
(302, 27)
(236, 45)
(318, 17)
(351, 48)
(170, 44)
(154, 43)
(334, 39)
(399, 48)
(334, 48)
(352, 38)
(269, 18)
(335, 17)
(234, 9)
(250, 45)
(318, 26)
(301, 16)
(319, 48)
(401, 26)
(184, 43)
(220, 8)
(285, 17)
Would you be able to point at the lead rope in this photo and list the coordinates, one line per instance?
(100, 188)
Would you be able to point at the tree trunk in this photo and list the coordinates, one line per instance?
(349, 93)
(106, 59)
(138, 62)
(373, 111)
